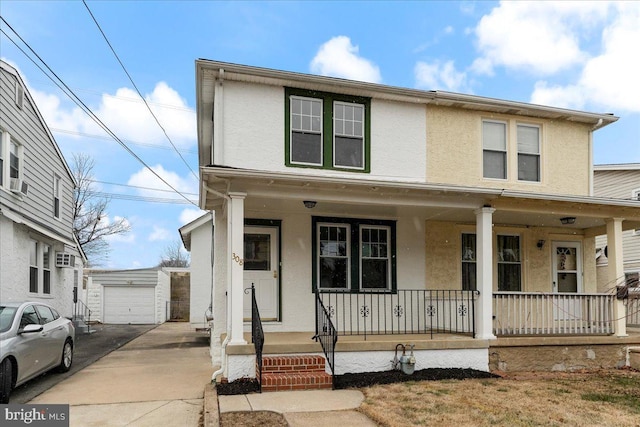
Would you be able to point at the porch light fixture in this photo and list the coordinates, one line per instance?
(568, 220)
(309, 204)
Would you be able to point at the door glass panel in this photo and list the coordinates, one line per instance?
(567, 282)
(566, 259)
(257, 252)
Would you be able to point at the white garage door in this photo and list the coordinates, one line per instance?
(135, 305)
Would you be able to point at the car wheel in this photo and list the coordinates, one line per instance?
(67, 357)
(5, 381)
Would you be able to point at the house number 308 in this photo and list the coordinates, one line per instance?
(237, 259)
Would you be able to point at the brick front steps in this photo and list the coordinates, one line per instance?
(281, 373)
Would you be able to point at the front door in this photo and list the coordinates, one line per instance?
(261, 269)
(567, 279)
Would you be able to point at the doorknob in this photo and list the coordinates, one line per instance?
(275, 274)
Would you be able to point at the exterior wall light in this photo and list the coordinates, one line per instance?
(309, 204)
(568, 220)
(540, 244)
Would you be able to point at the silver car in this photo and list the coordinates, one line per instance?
(34, 338)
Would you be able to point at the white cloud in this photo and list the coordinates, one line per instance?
(160, 233)
(129, 237)
(609, 79)
(188, 215)
(536, 37)
(126, 115)
(145, 178)
(339, 58)
(440, 76)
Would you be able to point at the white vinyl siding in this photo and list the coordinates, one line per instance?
(494, 145)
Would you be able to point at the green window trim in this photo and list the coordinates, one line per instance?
(354, 251)
(328, 100)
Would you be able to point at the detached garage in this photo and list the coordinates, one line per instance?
(129, 296)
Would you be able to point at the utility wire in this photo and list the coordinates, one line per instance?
(81, 104)
(136, 186)
(136, 88)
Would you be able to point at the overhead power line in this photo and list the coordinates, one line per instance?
(64, 88)
(136, 87)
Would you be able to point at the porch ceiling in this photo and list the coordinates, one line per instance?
(284, 192)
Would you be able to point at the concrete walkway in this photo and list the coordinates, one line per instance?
(157, 379)
(313, 408)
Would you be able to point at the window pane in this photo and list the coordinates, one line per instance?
(45, 313)
(494, 136)
(468, 247)
(33, 279)
(46, 250)
(257, 252)
(306, 148)
(528, 139)
(349, 152)
(14, 161)
(494, 165)
(33, 253)
(529, 167)
(333, 273)
(46, 281)
(469, 276)
(375, 273)
(509, 277)
(509, 248)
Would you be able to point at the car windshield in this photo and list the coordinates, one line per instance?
(6, 317)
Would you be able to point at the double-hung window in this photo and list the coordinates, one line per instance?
(469, 281)
(46, 269)
(34, 269)
(528, 153)
(494, 146)
(353, 254)
(14, 159)
(325, 130)
(509, 263)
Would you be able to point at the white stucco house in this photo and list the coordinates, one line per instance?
(197, 238)
(368, 216)
(40, 259)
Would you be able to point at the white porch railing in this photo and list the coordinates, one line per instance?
(633, 312)
(533, 313)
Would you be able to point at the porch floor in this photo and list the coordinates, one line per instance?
(302, 342)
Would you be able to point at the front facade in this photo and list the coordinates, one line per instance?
(402, 211)
(39, 257)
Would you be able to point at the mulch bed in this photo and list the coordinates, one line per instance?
(366, 379)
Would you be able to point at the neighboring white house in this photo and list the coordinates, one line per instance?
(197, 238)
(40, 258)
(129, 296)
(377, 211)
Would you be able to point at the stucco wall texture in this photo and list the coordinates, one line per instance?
(454, 143)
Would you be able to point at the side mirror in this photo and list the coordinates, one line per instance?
(29, 329)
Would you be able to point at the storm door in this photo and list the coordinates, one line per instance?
(261, 269)
(567, 279)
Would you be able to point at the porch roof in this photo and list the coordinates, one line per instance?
(431, 200)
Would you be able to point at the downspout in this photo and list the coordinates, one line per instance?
(591, 155)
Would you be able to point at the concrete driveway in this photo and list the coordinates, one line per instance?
(156, 379)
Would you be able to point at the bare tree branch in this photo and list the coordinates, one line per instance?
(174, 256)
(90, 218)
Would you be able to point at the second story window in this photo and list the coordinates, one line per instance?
(327, 131)
(56, 196)
(528, 153)
(494, 149)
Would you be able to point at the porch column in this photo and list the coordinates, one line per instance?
(484, 266)
(236, 256)
(615, 271)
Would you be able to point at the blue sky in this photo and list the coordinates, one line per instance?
(566, 54)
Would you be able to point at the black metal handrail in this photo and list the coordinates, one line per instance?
(81, 312)
(408, 311)
(257, 335)
(327, 335)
